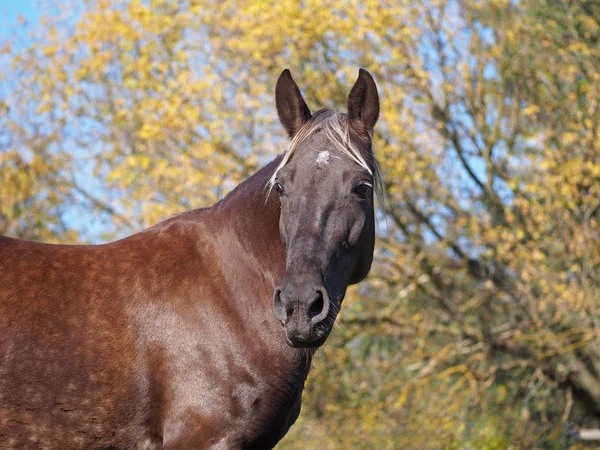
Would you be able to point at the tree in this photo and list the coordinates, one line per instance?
(478, 325)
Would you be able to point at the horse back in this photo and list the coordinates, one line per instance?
(70, 372)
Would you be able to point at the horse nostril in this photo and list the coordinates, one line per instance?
(316, 306)
(278, 307)
(289, 310)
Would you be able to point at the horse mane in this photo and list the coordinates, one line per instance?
(336, 127)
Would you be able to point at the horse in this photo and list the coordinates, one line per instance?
(196, 333)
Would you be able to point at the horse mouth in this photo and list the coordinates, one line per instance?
(317, 337)
(301, 343)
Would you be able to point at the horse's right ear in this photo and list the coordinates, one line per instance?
(291, 108)
(363, 101)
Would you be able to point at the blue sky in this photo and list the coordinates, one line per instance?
(11, 9)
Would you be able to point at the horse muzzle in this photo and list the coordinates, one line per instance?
(303, 308)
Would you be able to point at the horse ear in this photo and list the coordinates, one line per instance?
(363, 101)
(292, 111)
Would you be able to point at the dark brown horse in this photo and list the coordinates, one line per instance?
(190, 334)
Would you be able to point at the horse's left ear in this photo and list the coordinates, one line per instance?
(363, 101)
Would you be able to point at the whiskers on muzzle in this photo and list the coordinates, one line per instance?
(326, 325)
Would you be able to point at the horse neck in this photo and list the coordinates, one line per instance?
(252, 218)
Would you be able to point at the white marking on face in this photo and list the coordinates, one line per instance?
(323, 158)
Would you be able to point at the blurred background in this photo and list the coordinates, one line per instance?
(478, 327)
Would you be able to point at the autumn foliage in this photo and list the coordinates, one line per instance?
(478, 327)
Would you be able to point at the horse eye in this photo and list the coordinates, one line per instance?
(278, 188)
(362, 190)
